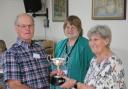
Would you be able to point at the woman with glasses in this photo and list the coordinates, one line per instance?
(74, 49)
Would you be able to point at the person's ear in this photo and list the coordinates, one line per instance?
(16, 29)
(106, 41)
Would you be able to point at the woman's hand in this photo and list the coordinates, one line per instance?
(68, 83)
(71, 82)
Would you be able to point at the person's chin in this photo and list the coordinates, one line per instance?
(71, 37)
(28, 38)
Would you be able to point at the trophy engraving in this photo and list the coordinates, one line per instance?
(56, 79)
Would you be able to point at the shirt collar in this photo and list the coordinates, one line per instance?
(23, 43)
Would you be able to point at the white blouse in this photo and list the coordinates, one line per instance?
(109, 74)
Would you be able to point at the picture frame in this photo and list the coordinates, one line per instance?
(108, 9)
(59, 10)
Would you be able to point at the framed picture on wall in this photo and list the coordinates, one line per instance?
(59, 10)
(108, 9)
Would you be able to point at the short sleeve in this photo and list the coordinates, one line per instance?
(10, 66)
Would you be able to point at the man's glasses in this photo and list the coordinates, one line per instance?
(25, 26)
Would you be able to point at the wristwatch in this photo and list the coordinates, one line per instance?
(75, 85)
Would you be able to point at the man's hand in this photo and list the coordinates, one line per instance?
(57, 72)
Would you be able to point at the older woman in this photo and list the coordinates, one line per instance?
(75, 49)
(105, 71)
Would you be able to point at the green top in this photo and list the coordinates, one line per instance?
(79, 59)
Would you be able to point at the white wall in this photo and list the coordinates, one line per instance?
(9, 9)
(82, 8)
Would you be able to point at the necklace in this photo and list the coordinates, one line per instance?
(70, 51)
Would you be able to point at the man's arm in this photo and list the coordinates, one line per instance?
(16, 84)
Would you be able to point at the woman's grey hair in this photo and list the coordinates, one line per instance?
(101, 30)
(23, 14)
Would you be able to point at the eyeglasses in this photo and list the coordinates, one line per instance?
(25, 26)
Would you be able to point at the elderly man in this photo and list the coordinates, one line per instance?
(25, 65)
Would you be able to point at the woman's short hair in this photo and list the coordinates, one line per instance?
(74, 20)
(2, 46)
(101, 30)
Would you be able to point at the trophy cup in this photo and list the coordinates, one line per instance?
(56, 79)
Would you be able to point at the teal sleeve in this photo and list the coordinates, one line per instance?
(87, 58)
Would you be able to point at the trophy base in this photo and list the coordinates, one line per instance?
(57, 80)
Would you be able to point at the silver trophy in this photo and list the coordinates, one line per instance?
(56, 79)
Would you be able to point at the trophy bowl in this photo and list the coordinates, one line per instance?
(56, 79)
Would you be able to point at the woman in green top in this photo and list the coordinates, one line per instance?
(75, 49)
